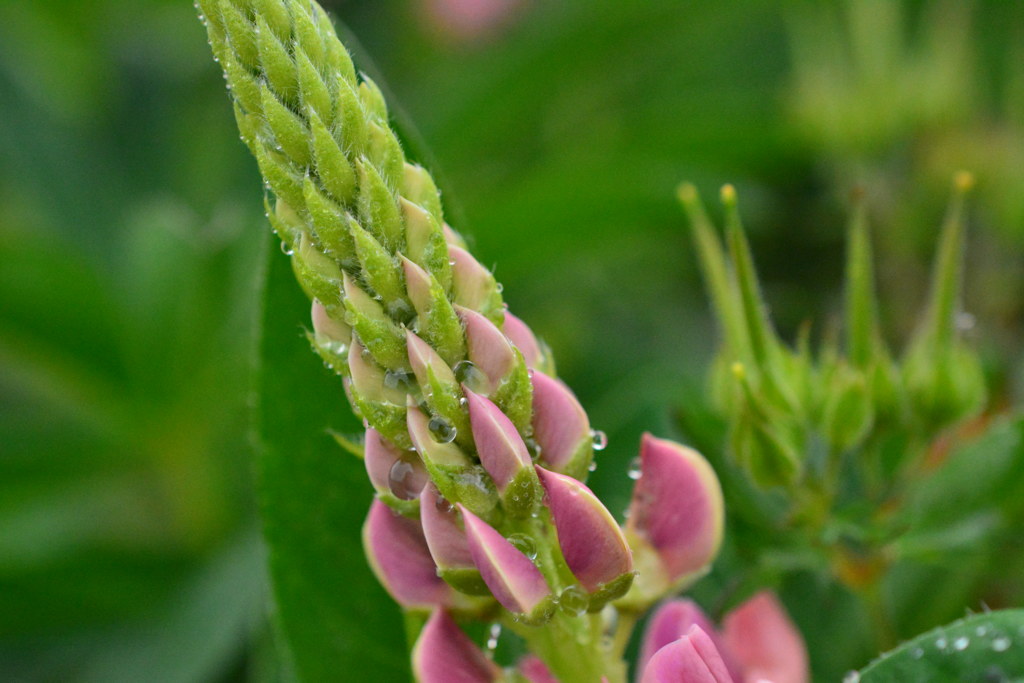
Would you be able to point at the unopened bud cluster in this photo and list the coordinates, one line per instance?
(476, 451)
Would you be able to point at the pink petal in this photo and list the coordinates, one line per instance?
(535, 671)
(765, 642)
(692, 658)
(488, 349)
(502, 451)
(592, 543)
(446, 539)
(677, 506)
(444, 654)
(392, 469)
(523, 338)
(400, 558)
(560, 425)
(673, 620)
(514, 580)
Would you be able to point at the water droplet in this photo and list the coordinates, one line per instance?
(1001, 644)
(533, 448)
(499, 287)
(961, 643)
(851, 677)
(492, 637)
(397, 379)
(443, 505)
(442, 430)
(573, 601)
(981, 630)
(592, 467)
(965, 321)
(402, 480)
(941, 643)
(285, 249)
(524, 544)
(466, 372)
(635, 470)
(917, 653)
(600, 439)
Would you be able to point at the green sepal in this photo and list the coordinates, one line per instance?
(337, 56)
(244, 87)
(386, 417)
(286, 223)
(514, 395)
(381, 272)
(465, 580)
(318, 274)
(406, 508)
(378, 332)
(523, 494)
(313, 92)
(848, 413)
(425, 243)
(333, 168)
(280, 175)
(275, 13)
(541, 614)
(768, 457)
(210, 14)
(334, 358)
(578, 466)
(240, 35)
(250, 127)
(385, 152)
(418, 187)
(445, 400)
(331, 225)
(276, 63)
(289, 130)
(439, 325)
(613, 590)
(350, 119)
(308, 40)
(373, 99)
(460, 481)
(378, 208)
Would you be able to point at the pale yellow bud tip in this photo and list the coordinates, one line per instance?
(963, 181)
(728, 194)
(738, 371)
(686, 192)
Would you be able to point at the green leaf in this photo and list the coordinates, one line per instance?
(313, 499)
(984, 647)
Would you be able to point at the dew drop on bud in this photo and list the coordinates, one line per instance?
(402, 481)
(852, 677)
(442, 430)
(393, 379)
(466, 372)
(635, 470)
(600, 440)
(573, 601)
(285, 249)
(524, 544)
(592, 467)
(1001, 644)
(443, 505)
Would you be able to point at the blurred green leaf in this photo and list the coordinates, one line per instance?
(978, 649)
(314, 497)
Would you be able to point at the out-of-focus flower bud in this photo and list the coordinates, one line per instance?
(399, 557)
(673, 620)
(511, 576)
(675, 518)
(765, 643)
(591, 541)
(692, 658)
(535, 671)
(503, 454)
(398, 475)
(444, 654)
(447, 542)
(560, 427)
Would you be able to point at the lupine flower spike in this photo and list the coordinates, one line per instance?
(476, 451)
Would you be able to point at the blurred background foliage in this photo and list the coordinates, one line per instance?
(129, 247)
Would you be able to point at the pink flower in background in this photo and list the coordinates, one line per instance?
(756, 644)
(467, 20)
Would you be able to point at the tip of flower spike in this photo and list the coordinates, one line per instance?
(686, 192)
(511, 576)
(764, 641)
(692, 658)
(728, 195)
(399, 556)
(739, 371)
(444, 654)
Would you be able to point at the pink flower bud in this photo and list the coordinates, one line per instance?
(444, 654)
(592, 543)
(765, 643)
(448, 544)
(417, 282)
(677, 509)
(423, 356)
(502, 451)
(392, 470)
(473, 286)
(560, 427)
(535, 671)
(400, 558)
(368, 377)
(512, 577)
(522, 337)
(672, 621)
(433, 452)
(488, 349)
(692, 658)
(327, 330)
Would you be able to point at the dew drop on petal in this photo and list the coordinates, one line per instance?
(635, 470)
(852, 677)
(402, 480)
(1001, 644)
(493, 634)
(600, 439)
(524, 544)
(961, 643)
(442, 430)
(573, 601)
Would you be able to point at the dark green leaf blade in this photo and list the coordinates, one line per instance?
(334, 616)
